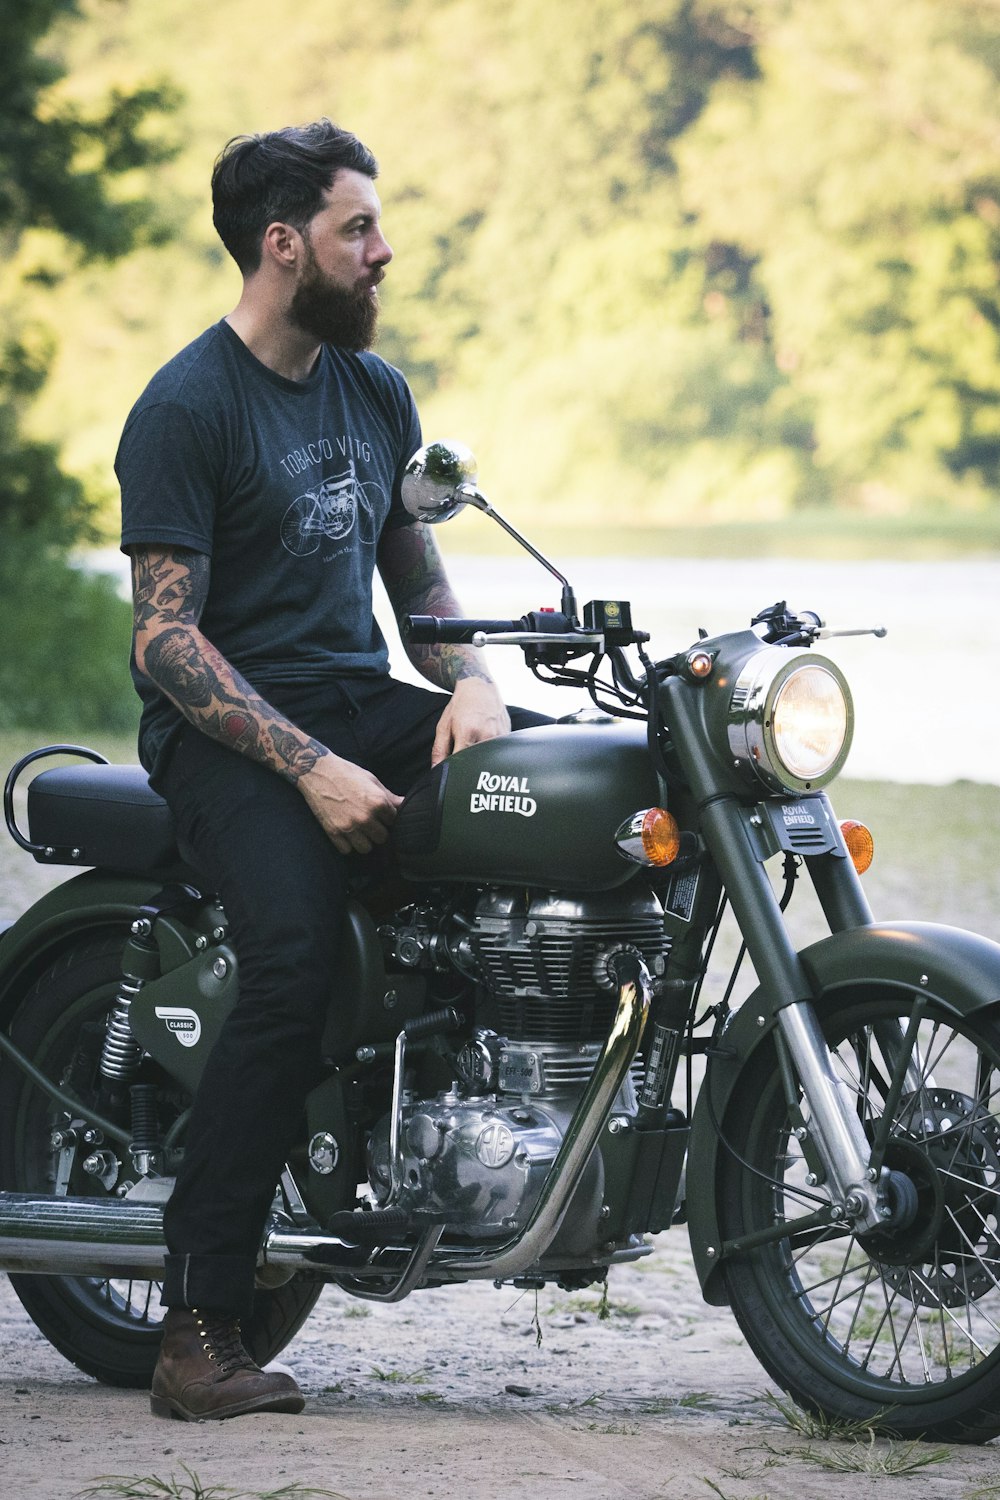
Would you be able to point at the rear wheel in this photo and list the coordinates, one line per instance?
(108, 1327)
(903, 1329)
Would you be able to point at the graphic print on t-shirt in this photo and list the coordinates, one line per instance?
(325, 515)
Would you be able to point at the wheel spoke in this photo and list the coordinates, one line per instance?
(885, 1320)
(897, 1344)
(926, 1288)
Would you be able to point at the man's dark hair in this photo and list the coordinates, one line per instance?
(281, 175)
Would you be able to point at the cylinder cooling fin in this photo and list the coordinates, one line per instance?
(545, 959)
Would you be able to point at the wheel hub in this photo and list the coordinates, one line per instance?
(949, 1148)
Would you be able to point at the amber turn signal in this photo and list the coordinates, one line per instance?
(650, 837)
(860, 844)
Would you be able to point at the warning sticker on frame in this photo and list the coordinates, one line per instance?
(679, 898)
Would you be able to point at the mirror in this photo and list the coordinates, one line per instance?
(435, 478)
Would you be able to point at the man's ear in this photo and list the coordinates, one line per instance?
(282, 244)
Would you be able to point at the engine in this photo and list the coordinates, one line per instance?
(476, 1155)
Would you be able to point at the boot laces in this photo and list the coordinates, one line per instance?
(222, 1341)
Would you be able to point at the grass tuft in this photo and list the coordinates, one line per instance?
(825, 1429)
(888, 1460)
(399, 1377)
(152, 1487)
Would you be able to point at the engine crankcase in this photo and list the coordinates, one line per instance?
(478, 1166)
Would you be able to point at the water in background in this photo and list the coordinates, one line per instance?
(927, 701)
(926, 697)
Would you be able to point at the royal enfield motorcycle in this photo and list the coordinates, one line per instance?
(532, 1077)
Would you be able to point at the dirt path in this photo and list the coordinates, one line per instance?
(661, 1401)
(449, 1394)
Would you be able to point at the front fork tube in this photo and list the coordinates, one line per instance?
(833, 1126)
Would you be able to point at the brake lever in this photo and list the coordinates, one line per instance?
(585, 639)
(879, 631)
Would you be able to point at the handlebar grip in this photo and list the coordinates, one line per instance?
(427, 630)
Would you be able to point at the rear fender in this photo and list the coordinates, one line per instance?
(960, 970)
(84, 907)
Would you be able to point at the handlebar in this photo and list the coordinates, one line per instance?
(430, 630)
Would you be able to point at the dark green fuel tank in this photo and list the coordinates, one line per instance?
(540, 807)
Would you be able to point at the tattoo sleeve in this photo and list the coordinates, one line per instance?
(416, 584)
(169, 589)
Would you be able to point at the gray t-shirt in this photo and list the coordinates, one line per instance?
(286, 485)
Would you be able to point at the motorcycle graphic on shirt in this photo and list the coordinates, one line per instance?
(329, 513)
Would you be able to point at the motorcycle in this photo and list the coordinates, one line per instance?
(533, 1079)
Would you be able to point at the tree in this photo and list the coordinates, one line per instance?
(60, 171)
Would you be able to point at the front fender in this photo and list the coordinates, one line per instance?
(959, 969)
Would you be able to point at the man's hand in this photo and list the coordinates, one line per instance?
(476, 712)
(351, 805)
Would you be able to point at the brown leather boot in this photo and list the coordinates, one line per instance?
(204, 1373)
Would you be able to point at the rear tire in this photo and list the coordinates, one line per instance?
(108, 1327)
(901, 1331)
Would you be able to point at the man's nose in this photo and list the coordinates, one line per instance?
(381, 250)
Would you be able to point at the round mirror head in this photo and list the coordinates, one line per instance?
(434, 476)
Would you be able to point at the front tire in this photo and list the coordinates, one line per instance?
(901, 1331)
(108, 1327)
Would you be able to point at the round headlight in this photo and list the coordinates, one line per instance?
(791, 720)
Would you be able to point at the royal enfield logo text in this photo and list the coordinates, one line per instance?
(797, 816)
(505, 794)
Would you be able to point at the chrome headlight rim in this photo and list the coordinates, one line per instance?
(750, 724)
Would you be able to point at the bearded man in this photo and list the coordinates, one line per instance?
(260, 475)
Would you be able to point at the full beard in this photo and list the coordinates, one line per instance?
(333, 314)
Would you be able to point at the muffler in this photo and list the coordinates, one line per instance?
(116, 1237)
(81, 1236)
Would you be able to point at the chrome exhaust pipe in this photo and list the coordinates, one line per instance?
(81, 1236)
(113, 1237)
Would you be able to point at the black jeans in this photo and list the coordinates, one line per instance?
(255, 842)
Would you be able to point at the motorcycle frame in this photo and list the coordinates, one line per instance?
(959, 971)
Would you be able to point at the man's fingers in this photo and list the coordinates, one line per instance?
(442, 746)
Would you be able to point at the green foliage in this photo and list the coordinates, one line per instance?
(55, 162)
(66, 641)
(665, 263)
(65, 634)
(675, 261)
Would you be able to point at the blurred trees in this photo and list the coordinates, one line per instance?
(717, 258)
(669, 261)
(65, 634)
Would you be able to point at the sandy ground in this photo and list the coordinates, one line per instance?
(449, 1394)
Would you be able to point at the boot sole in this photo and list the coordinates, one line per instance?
(166, 1406)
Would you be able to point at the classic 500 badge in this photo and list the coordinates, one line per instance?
(184, 1024)
(503, 794)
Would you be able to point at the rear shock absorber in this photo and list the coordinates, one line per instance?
(146, 1142)
(121, 1054)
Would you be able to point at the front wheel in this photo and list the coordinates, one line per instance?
(109, 1327)
(900, 1330)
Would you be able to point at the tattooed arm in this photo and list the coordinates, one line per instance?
(169, 589)
(415, 580)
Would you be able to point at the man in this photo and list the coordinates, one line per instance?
(260, 476)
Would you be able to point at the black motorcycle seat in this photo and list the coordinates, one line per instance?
(106, 816)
